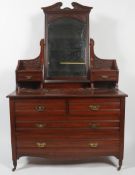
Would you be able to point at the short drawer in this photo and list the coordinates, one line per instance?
(31, 107)
(95, 106)
(93, 125)
(29, 76)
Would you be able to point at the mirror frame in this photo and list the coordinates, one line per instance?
(79, 12)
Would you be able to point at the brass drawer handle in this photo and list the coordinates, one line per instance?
(28, 77)
(94, 107)
(40, 125)
(93, 145)
(41, 145)
(104, 76)
(40, 108)
(93, 126)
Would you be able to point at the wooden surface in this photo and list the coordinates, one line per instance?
(67, 92)
(67, 119)
(72, 127)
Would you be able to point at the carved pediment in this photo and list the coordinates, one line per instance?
(57, 8)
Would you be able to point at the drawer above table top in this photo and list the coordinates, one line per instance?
(29, 76)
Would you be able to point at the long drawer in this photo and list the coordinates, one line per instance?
(39, 107)
(94, 106)
(51, 148)
(91, 124)
(44, 143)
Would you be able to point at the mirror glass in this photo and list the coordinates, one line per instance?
(66, 48)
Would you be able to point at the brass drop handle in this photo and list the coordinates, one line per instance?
(93, 145)
(41, 145)
(93, 126)
(28, 77)
(40, 108)
(94, 107)
(104, 76)
(40, 125)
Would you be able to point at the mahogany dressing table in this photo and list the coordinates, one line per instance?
(67, 105)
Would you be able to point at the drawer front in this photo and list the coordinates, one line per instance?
(92, 125)
(66, 147)
(64, 143)
(95, 106)
(31, 76)
(104, 76)
(39, 107)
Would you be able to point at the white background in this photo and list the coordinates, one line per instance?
(113, 29)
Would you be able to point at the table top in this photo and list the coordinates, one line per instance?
(68, 92)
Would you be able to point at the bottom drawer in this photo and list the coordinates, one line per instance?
(69, 149)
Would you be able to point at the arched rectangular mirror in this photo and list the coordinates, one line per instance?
(67, 43)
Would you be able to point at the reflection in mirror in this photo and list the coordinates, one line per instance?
(66, 48)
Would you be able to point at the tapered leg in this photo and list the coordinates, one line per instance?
(120, 164)
(14, 164)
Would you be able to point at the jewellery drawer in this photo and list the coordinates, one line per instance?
(99, 75)
(39, 107)
(51, 148)
(29, 76)
(93, 125)
(94, 106)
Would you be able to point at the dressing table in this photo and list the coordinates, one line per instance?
(67, 105)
